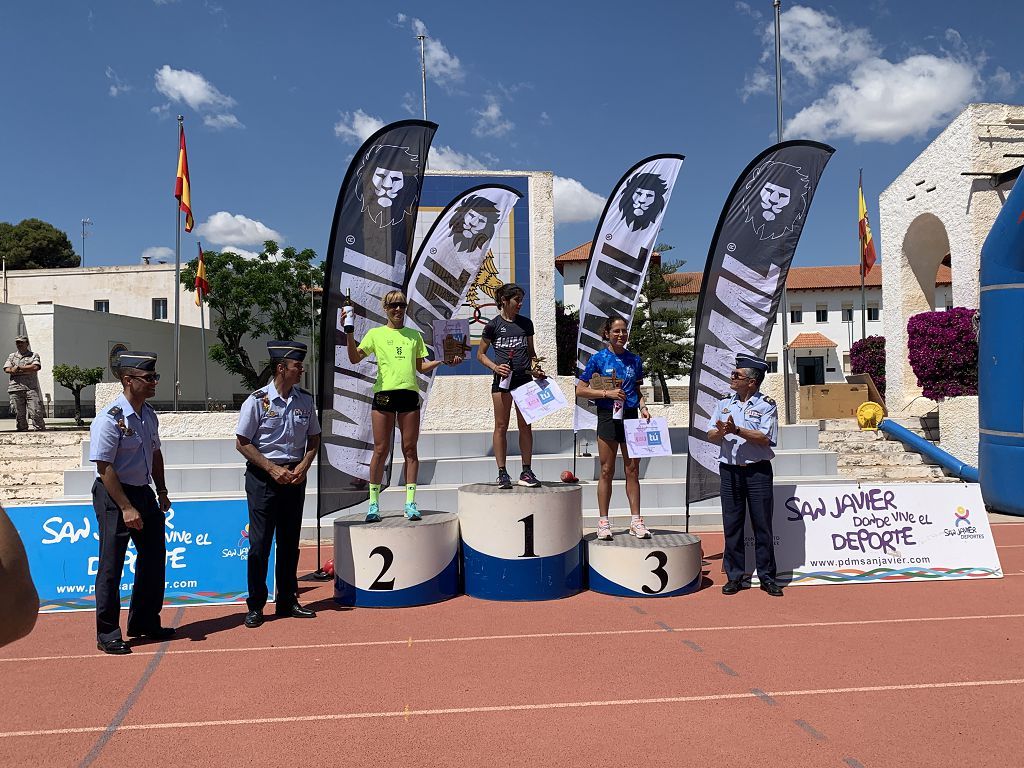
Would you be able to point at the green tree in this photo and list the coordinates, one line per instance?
(567, 327)
(253, 298)
(76, 379)
(660, 335)
(35, 244)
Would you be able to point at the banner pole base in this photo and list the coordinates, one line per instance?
(319, 574)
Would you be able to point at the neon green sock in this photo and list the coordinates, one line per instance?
(374, 492)
(410, 493)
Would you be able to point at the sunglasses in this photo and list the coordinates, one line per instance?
(152, 378)
(397, 305)
(738, 376)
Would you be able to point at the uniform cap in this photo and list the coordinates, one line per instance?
(749, 361)
(21, 338)
(142, 361)
(286, 350)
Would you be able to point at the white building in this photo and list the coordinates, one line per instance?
(825, 311)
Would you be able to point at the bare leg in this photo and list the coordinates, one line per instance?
(525, 437)
(502, 410)
(409, 426)
(606, 450)
(383, 429)
(632, 467)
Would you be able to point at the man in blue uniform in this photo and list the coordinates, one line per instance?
(746, 425)
(124, 442)
(279, 434)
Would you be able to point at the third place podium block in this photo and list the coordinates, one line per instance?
(664, 565)
(396, 562)
(521, 543)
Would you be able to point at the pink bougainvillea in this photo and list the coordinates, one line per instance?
(868, 356)
(944, 352)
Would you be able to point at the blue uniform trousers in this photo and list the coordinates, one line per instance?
(748, 488)
(150, 562)
(273, 508)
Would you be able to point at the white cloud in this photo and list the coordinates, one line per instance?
(223, 228)
(163, 111)
(158, 253)
(444, 158)
(220, 122)
(545, 118)
(117, 85)
(574, 202)
(815, 43)
(356, 127)
(192, 88)
(443, 67)
(887, 102)
(243, 253)
(490, 120)
(1004, 83)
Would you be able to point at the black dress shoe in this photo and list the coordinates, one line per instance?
(116, 647)
(296, 611)
(160, 633)
(253, 619)
(731, 587)
(771, 588)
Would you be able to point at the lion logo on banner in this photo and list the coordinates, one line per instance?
(388, 187)
(642, 200)
(780, 204)
(472, 225)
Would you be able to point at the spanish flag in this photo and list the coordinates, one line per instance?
(202, 286)
(867, 244)
(182, 189)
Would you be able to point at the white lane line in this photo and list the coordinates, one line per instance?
(531, 636)
(514, 707)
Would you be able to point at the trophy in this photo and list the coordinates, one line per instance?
(454, 346)
(536, 369)
(605, 383)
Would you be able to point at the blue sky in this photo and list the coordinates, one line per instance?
(277, 97)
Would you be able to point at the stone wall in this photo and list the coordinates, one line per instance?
(958, 428)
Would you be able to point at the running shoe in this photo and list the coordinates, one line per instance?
(527, 478)
(373, 513)
(638, 529)
(604, 529)
(504, 481)
(411, 512)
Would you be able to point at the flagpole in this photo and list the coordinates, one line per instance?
(860, 249)
(177, 283)
(786, 384)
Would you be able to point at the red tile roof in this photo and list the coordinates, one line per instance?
(811, 340)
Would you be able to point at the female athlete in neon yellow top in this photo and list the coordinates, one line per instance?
(400, 354)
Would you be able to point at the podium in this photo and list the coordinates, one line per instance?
(665, 565)
(396, 562)
(521, 543)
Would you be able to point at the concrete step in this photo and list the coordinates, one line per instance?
(50, 437)
(13, 479)
(874, 447)
(27, 494)
(881, 460)
(898, 474)
(39, 464)
(229, 478)
(35, 451)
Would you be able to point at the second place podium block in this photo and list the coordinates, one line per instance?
(665, 565)
(521, 543)
(396, 562)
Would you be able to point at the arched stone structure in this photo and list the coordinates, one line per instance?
(931, 210)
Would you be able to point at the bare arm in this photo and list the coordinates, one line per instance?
(355, 354)
(19, 602)
(278, 473)
(112, 483)
(160, 481)
(502, 370)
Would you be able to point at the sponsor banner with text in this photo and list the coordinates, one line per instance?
(207, 552)
(866, 534)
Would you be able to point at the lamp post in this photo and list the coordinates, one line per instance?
(85, 222)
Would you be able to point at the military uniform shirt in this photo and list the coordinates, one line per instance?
(276, 426)
(23, 382)
(760, 413)
(126, 439)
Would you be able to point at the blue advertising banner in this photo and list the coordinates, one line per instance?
(207, 550)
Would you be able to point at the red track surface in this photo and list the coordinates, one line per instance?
(921, 674)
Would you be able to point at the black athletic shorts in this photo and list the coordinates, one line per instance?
(613, 429)
(396, 401)
(518, 379)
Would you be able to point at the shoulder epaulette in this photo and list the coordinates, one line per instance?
(767, 399)
(260, 393)
(115, 411)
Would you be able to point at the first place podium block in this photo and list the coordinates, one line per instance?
(665, 565)
(521, 543)
(396, 562)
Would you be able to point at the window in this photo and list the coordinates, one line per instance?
(873, 313)
(101, 305)
(159, 309)
(773, 363)
(821, 313)
(949, 304)
(847, 313)
(583, 279)
(846, 362)
(796, 314)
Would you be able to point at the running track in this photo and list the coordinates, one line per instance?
(924, 674)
